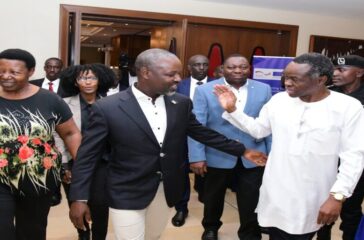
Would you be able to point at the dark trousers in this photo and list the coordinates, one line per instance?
(183, 204)
(350, 215)
(199, 186)
(278, 234)
(248, 183)
(30, 214)
(97, 203)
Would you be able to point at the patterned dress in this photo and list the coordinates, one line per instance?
(29, 161)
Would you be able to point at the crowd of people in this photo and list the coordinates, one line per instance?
(125, 151)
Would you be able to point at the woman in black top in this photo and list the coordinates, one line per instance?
(29, 161)
(85, 84)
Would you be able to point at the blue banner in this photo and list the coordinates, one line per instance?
(268, 69)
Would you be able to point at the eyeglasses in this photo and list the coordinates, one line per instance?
(84, 79)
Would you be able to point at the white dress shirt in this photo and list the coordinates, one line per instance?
(308, 140)
(154, 112)
(194, 85)
(55, 85)
(241, 94)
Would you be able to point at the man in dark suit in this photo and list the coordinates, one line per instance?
(347, 79)
(198, 66)
(146, 126)
(52, 67)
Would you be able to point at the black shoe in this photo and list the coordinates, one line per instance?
(209, 235)
(179, 219)
(84, 235)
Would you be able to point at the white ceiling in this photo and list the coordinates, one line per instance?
(342, 8)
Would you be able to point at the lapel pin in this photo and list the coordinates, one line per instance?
(174, 102)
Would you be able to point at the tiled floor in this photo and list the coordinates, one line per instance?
(60, 227)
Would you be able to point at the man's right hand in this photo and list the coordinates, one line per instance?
(226, 97)
(256, 157)
(200, 168)
(78, 212)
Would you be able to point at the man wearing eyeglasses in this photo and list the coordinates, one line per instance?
(52, 67)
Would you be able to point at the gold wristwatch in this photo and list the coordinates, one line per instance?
(338, 196)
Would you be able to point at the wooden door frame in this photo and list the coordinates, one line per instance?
(65, 11)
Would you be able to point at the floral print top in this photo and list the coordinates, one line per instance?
(29, 160)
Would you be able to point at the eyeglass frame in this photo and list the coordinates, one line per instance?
(84, 79)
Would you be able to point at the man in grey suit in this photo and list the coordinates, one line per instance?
(146, 126)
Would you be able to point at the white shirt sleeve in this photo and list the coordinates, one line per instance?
(257, 128)
(351, 153)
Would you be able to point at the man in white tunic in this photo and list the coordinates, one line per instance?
(312, 127)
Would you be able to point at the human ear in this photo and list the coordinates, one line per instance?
(144, 72)
(360, 73)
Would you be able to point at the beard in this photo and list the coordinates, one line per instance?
(170, 93)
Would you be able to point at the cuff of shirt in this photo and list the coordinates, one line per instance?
(338, 188)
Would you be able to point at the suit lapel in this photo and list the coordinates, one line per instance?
(131, 107)
(250, 98)
(171, 111)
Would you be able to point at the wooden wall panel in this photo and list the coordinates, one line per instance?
(162, 36)
(275, 43)
(236, 40)
(200, 38)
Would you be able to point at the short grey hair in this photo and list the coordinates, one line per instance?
(320, 65)
(149, 58)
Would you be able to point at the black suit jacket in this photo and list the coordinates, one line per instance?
(136, 156)
(60, 91)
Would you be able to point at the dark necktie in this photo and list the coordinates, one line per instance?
(50, 86)
(199, 83)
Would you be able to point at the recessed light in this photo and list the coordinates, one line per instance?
(126, 24)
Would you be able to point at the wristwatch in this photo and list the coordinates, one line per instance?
(338, 196)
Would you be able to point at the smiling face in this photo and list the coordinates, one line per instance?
(298, 82)
(236, 70)
(14, 75)
(87, 82)
(162, 78)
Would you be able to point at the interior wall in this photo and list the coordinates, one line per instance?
(38, 30)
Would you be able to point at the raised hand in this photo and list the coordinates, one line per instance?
(226, 97)
(256, 157)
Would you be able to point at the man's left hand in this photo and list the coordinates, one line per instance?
(329, 211)
(256, 157)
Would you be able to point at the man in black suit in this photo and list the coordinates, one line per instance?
(198, 66)
(146, 126)
(52, 67)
